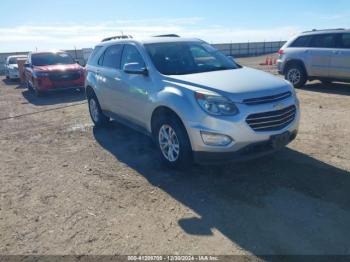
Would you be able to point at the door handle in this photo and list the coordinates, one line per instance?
(336, 52)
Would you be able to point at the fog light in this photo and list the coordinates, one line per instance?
(212, 139)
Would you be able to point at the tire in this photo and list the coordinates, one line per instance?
(37, 92)
(28, 86)
(97, 117)
(296, 75)
(180, 155)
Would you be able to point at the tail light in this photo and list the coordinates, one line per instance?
(280, 52)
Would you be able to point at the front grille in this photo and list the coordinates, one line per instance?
(267, 99)
(272, 121)
(64, 76)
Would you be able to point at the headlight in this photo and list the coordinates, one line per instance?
(215, 104)
(41, 74)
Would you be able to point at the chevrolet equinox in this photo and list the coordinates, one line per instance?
(197, 103)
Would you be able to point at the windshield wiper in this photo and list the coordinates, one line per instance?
(219, 69)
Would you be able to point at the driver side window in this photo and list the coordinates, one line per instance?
(131, 55)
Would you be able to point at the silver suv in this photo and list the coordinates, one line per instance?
(193, 100)
(323, 55)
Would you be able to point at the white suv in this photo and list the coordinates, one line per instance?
(319, 54)
(192, 99)
(11, 66)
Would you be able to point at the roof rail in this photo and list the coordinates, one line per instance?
(168, 35)
(117, 37)
(320, 30)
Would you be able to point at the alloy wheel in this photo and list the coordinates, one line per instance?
(294, 76)
(169, 143)
(94, 111)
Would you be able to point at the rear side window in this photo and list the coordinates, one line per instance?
(302, 41)
(111, 57)
(93, 56)
(345, 41)
(323, 41)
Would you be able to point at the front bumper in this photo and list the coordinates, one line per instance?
(243, 136)
(46, 85)
(253, 151)
(12, 74)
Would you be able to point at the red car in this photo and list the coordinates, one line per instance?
(51, 71)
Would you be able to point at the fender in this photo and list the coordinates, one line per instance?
(176, 100)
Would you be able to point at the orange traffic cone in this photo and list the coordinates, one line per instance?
(270, 62)
(267, 61)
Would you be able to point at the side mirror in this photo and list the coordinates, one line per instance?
(135, 69)
(77, 61)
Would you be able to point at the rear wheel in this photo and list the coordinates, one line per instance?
(96, 114)
(173, 142)
(296, 75)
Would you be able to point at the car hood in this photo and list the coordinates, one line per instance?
(237, 84)
(52, 68)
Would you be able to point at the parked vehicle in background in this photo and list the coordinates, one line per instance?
(192, 99)
(52, 71)
(319, 54)
(11, 66)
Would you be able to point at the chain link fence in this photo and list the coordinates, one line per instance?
(230, 49)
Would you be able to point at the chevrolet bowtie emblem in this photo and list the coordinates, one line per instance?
(279, 106)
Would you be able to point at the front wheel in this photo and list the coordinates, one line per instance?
(38, 93)
(296, 75)
(96, 114)
(173, 143)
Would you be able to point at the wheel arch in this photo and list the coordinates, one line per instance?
(163, 111)
(298, 62)
(89, 91)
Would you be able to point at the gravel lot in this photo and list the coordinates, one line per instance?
(67, 188)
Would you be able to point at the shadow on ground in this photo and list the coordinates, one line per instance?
(12, 83)
(333, 88)
(288, 203)
(59, 97)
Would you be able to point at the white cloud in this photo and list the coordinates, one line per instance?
(329, 17)
(66, 36)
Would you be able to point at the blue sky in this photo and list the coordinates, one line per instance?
(31, 24)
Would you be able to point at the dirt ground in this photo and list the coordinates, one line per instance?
(68, 188)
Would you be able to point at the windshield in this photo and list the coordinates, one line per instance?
(181, 58)
(44, 59)
(13, 60)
